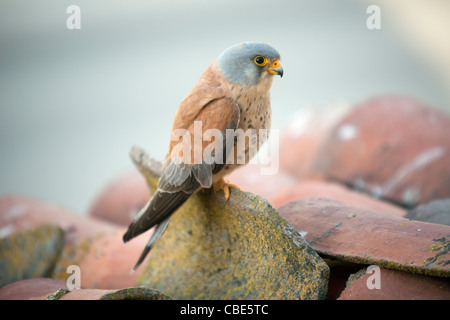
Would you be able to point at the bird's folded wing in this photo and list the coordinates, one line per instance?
(181, 176)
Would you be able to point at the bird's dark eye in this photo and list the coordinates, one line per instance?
(260, 61)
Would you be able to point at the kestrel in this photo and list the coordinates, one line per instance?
(232, 93)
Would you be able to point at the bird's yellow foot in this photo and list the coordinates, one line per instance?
(225, 186)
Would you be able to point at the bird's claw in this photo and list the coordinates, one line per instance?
(225, 186)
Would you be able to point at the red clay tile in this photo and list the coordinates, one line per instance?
(358, 235)
(85, 294)
(392, 147)
(339, 273)
(385, 284)
(302, 138)
(30, 288)
(249, 178)
(108, 262)
(95, 246)
(121, 198)
(19, 213)
(334, 191)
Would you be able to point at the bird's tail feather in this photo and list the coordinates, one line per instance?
(160, 207)
(156, 212)
(159, 230)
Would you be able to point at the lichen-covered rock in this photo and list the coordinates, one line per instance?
(136, 293)
(341, 232)
(132, 293)
(30, 254)
(236, 249)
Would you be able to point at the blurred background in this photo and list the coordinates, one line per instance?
(73, 102)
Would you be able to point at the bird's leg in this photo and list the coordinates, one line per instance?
(224, 185)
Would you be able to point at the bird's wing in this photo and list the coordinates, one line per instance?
(179, 179)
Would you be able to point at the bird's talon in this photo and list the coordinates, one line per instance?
(225, 186)
(226, 191)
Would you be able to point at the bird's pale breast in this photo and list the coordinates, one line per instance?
(255, 113)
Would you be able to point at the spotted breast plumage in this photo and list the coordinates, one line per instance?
(233, 93)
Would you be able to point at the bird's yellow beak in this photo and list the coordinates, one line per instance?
(275, 68)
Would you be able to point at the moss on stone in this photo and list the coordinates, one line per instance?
(30, 254)
(441, 247)
(236, 249)
(58, 294)
(135, 293)
(72, 254)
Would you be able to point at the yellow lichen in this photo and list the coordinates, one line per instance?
(235, 249)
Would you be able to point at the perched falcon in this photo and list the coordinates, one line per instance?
(233, 93)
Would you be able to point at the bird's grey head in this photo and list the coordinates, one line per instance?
(247, 63)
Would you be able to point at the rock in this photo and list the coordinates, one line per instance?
(334, 191)
(30, 254)
(18, 213)
(30, 289)
(437, 211)
(134, 293)
(302, 138)
(249, 178)
(395, 285)
(236, 249)
(121, 199)
(391, 147)
(341, 232)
